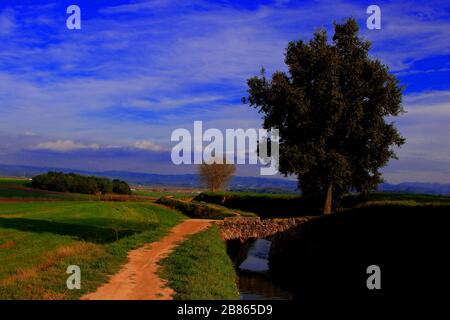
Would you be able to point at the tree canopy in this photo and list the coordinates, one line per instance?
(332, 108)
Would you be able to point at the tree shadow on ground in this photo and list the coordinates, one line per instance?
(80, 232)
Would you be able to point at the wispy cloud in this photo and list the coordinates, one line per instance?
(138, 6)
(7, 22)
(64, 146)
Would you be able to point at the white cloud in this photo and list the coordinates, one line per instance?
(64, 146)
(70, 145)
(147, 145)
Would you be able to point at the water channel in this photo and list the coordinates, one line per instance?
(251, 260)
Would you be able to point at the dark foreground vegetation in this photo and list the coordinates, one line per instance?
(201, 269)
(71, 182)
(326, 260)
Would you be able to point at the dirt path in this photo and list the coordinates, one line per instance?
(138, 279)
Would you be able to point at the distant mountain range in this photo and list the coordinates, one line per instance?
(238, 183)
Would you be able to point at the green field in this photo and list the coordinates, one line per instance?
(39, 239)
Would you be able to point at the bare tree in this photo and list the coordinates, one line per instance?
(216, 174)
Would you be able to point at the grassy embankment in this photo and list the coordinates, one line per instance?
(202, 210)
(200, 268)
(157, 193)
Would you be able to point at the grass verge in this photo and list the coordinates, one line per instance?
(200, 269)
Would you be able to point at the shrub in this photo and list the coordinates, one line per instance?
(71, 182)
(121, 187)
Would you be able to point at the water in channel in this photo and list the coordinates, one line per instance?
(252, 267)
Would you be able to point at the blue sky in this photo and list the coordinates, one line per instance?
(109, 95)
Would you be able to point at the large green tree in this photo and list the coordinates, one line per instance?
(332, 108)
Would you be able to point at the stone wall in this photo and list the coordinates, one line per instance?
(244, 228)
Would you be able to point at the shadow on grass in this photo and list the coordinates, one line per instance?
(80, 232)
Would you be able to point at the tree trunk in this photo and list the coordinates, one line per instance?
(328, 199)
